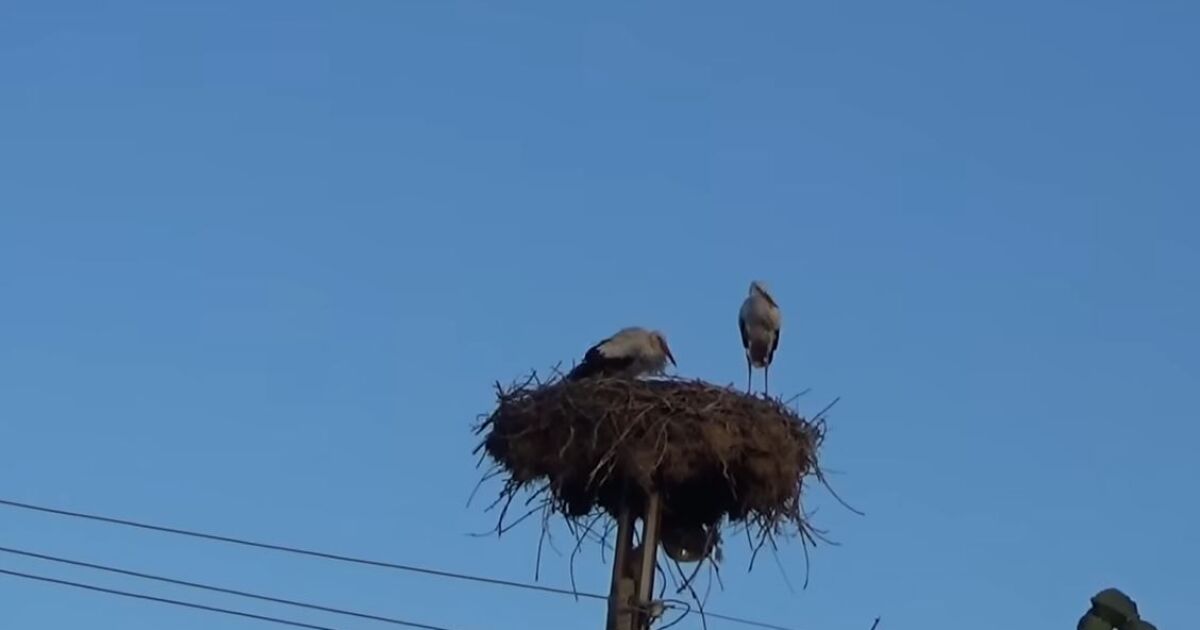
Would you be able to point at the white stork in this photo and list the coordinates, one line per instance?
(760, 321)
(631, 352)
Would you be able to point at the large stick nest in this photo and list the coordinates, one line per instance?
(710, 451)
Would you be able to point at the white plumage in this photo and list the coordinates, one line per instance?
(631, 352)
(759, 320)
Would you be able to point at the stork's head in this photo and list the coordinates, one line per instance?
(758, 287)
(661, 341)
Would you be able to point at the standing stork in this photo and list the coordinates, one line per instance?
(631, 352)
(760, 321)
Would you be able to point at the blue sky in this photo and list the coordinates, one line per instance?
(260, 263)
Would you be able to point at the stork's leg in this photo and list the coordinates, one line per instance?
(766, 379)
(749, 374)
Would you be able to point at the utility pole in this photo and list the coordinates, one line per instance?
(645, 584)
(629, 600)
(620, 595)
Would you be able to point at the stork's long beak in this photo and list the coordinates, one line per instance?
(670, 357)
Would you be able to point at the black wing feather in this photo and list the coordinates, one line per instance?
(774, 345)
(596, 364)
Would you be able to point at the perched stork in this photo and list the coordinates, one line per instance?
(631, 352)
(759, 321)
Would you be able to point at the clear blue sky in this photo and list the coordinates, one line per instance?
(260, 262)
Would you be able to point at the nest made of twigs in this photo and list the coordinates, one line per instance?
(711, 452)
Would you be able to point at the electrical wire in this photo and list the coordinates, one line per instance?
(304, 552)
(217, 589)
(164, 600)
(348, 559)
(745, 622)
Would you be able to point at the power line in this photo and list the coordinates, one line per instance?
(164, 600)
(349, 559)
(218, 589)
(745, 622)
(304, 552)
